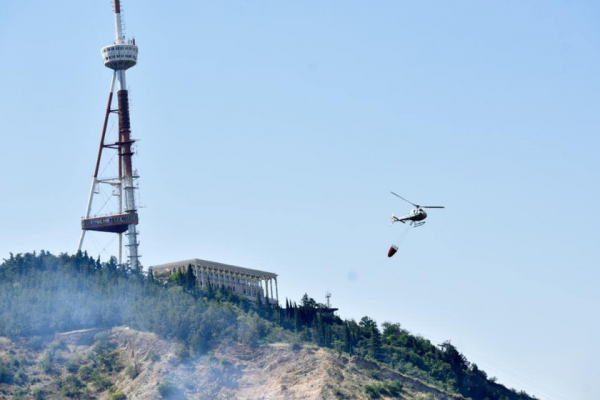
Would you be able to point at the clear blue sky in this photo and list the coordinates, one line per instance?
(272, 133)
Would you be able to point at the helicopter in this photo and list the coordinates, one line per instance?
(416, 216)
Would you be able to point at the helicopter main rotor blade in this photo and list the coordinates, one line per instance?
(433, 207)
(404, 199)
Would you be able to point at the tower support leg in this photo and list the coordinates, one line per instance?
(100, 148)
(120, 248)
(87, 212)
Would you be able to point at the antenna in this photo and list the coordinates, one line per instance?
(328, 296)
(119, 56)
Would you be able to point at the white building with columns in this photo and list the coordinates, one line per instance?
(251, 283)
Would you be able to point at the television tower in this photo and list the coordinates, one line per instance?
(119, 56)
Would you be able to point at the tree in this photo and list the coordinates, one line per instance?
(391, 330)
(451, 355)
(190, 279)
(367, 323)
(374, 347)
(150, 276)
(348, 342)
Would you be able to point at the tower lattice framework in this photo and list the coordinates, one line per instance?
(119, 56)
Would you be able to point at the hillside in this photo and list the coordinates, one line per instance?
(208, 341)
(276, 371)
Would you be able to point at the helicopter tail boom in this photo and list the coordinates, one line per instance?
(396, 219)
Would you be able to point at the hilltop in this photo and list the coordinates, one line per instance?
(60, 319)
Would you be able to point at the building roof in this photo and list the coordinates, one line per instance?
(212, 265)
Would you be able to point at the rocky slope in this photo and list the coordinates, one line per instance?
(125, 364)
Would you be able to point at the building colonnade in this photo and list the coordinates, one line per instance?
(244, 281)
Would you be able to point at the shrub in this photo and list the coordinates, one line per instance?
(133, 371)
(47, 361)
(372, 390)
(375, 390)
(374, 373)
(101, 382)
(85, 373)
(167, 388)
(70, 386)
(103, 354)
(21, 377)
(153, 356)
(394, 387)
(118, 396)
(73, 364)
(37, 394)
(6, 375)
(296, 347)
(20, 394)
(181, 352)
(422, 396)
(35, 343)
(340, 394)
(101, 337)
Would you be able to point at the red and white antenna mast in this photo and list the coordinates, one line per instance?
(119, 56)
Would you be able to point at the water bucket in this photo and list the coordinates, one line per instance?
(392, 250)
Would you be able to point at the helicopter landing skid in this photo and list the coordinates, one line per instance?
(416, 224)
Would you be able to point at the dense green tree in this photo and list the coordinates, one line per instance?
(374, 347)
(150, 276)
(190, 279)
(367, 323)
(348, 342)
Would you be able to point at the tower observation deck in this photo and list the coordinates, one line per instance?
(119, 57)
